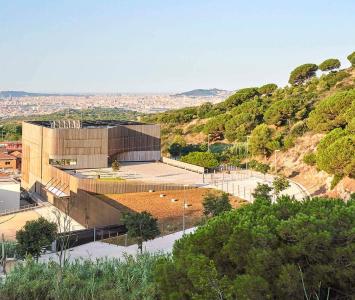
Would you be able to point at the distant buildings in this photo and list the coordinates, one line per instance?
(10, 157)
(7, 162)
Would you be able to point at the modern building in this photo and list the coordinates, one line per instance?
(49, 147)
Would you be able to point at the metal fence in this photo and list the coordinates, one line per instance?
(17, 210)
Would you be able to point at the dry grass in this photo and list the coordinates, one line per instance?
(163, 208)
(168, 213)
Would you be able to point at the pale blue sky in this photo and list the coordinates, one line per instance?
(166, 46)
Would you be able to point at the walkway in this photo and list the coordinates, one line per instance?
(243, 183)
(96, 250)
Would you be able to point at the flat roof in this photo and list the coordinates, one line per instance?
(91, 124)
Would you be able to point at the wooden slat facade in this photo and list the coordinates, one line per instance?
(90, 147)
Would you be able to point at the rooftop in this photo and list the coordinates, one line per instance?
(4, 156)
(83, 124)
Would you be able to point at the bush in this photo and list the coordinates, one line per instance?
(288, 142)
(310, 159)
(266, 250)
(204, 110)
(115, 165)
(280, 184)
(130, 278)
(351, 58)
(299, 128)
(258, 166)
(35, 237)
(330, 64)
(202, 159)
(302, 73)
(329, 80)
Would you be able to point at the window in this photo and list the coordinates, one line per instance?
(7, 163)
(63, 162)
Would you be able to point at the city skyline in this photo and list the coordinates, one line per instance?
(165, 47)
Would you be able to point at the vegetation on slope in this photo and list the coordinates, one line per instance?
(274, 117)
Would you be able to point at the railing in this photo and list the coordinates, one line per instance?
(16, 210)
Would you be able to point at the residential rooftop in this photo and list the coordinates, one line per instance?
(83, 124)
(5, 156)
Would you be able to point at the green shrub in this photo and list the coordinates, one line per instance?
(351, 58)
(258, 166)
(335, 180)
(288, 142)
(299, 128)
(202, 159)
(310, 158)
(329, 80)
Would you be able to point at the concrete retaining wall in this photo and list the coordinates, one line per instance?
(183, 165)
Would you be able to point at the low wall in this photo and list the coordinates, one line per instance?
(126, 186)
(183, 165)
(88, 210)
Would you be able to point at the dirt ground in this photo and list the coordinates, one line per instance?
(163, 207)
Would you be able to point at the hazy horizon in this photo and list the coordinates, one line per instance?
(162, 47)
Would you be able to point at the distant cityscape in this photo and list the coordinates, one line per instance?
(14, 103)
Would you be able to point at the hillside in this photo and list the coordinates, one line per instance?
(316, 108)
(202, 93)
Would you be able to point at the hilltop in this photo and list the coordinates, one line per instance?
(310, 123)
(19, 94)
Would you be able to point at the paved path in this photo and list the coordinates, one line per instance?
(96, 250)
(242, 184)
